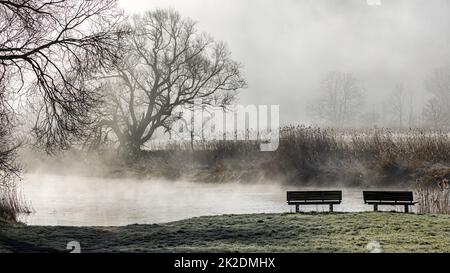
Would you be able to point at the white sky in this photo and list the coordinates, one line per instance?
(287, 46)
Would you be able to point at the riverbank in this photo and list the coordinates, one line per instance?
(311, 232)
(306, 156)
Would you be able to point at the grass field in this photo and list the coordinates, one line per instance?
(312, 232)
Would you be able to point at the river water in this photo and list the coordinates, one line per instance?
(86, 201)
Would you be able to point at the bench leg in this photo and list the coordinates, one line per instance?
(375, 207)
(331, 207)
(406, 208)
(297, 208)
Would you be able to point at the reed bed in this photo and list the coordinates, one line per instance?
(11, 204)
(433, 193)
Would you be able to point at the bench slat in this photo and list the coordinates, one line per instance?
(405, 196)
(314, 196)
(318, 202)
(391, 202)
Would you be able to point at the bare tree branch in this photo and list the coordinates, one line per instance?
(56, 46)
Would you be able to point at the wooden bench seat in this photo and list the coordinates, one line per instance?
(298, 198)
(393, 198)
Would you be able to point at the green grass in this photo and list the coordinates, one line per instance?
(312, 232)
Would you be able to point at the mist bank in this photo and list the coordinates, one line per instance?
(306, 156)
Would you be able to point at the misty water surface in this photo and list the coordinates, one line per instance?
(85, 201)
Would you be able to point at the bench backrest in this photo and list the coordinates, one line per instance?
(314, 195)
(388, 196)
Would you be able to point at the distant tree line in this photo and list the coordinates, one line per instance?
(341, 101)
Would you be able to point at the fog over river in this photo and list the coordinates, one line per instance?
(88, 201)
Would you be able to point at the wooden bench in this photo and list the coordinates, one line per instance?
(376, 198)
(298, 198)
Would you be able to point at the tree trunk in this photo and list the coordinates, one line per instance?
(130, 148)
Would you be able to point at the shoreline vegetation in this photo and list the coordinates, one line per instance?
(307, 156)
(288, 232)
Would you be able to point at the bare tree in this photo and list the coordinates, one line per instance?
(50, 48)
(168, 64)
(437, 109)
(398, 107)
(8, 167)
(340, 99)
(435, 115)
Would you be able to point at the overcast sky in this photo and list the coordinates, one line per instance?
(288, 46)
